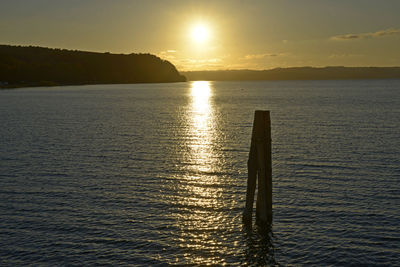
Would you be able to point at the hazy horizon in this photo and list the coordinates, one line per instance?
(214, 35)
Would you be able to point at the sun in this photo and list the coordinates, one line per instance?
(200, 33)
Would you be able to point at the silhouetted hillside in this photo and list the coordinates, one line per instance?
(302, 73)
(21, 66)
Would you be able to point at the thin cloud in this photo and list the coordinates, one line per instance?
(202, 61)
(260, 56)
(199, 64)
(171, 51)
(169, 54)
(345, 55)
(378, 34)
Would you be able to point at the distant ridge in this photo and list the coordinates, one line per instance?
(300, 73)
(36, 66)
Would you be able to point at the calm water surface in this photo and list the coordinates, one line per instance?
(155, 174)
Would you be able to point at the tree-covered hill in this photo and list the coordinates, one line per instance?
(38, 65)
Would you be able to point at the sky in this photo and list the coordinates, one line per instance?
(236, 34)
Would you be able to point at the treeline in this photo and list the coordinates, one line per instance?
(38, 65)
(300, 73)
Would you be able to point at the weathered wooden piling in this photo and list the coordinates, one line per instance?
(260, 165)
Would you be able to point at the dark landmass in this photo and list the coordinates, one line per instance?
(300, 73)
(38, 66)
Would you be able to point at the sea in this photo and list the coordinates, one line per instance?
(156, 174)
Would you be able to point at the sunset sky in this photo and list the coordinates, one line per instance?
(208, 35)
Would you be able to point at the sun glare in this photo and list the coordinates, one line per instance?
(200, 33)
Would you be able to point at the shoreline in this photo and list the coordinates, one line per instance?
(52, 84)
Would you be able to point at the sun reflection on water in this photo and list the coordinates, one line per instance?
(201, 188)
(201, 108)
(201, 126)
(204, 207)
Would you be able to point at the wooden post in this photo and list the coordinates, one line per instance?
(260, 164)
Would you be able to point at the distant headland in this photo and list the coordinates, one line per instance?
(299, 73)
(22, 66)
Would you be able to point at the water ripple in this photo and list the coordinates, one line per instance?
(155, 174)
